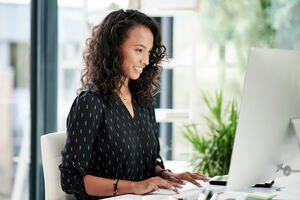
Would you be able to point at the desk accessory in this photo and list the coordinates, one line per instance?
(261, 185)
(260, 196)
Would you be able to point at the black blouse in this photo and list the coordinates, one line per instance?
(104, 140)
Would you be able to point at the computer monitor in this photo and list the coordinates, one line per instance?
(266, 143)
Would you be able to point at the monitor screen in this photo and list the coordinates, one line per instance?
(266, 141)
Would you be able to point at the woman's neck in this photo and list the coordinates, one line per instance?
(125, 82)
(124, 90)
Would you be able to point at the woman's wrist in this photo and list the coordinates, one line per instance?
(126, 187)
(163, 171)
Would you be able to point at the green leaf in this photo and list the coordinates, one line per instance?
(212, 155)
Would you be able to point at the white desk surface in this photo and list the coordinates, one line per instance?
(286, 188)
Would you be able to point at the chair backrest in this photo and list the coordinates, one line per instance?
(51, 145)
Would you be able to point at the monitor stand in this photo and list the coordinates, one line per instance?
(287, 170)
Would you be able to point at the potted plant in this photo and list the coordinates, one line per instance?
(212, 154)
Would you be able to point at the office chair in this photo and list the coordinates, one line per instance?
(51, 145)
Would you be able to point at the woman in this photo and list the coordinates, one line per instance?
(112, 147)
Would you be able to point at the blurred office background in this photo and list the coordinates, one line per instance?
(208, 43)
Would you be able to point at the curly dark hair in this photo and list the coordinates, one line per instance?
(103, 58)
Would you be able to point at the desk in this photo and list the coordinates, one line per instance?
(288, 186)
(289, 190)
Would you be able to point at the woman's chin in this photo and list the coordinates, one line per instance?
(135, 77)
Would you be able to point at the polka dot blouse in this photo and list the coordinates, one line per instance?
(104, 140)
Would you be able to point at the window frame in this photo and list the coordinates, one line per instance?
(43, 85)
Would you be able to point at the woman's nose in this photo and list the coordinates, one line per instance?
(145, 60)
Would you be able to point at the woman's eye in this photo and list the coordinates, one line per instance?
(139, 50)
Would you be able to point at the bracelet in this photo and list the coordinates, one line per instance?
(163, 170)
(116, 187)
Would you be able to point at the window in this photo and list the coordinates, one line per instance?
(14, 99)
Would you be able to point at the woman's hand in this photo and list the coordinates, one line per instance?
(153, 184)
(186, 176)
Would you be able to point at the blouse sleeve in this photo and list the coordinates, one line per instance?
(82, 128)
(159, 160)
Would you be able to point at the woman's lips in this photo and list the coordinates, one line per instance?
(138, 69)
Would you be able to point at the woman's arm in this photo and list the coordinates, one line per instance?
(98, 186)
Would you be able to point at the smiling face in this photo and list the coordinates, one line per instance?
(136, 51)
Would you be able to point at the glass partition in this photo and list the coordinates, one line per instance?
(14, 99)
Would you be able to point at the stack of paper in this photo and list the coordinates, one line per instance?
(260, 196)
